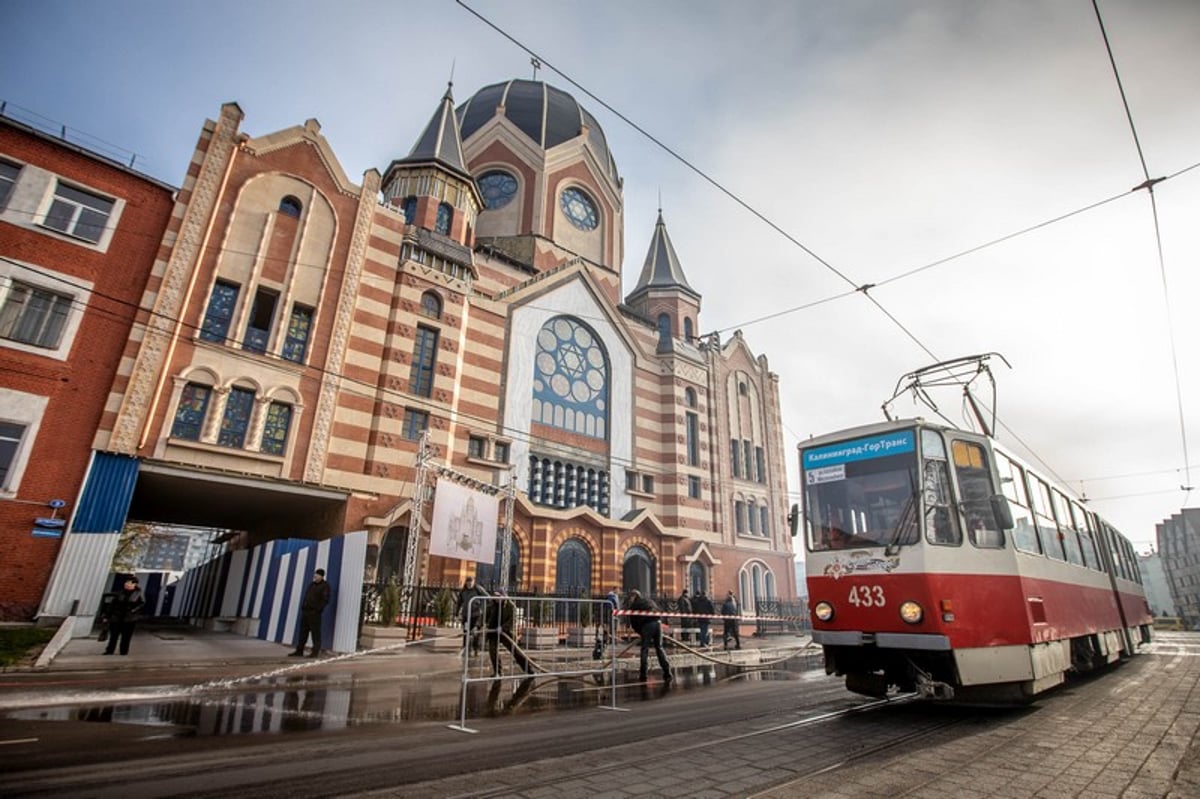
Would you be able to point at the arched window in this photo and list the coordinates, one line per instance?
(689, 397)
(697, 578)
(431, 305)
(688, 332)
(664, 327)
(410, 210)
(444, 215)
(638, 571)
(290, 206)
(570, 381)
(573, 575)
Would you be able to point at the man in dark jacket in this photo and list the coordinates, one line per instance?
(499, 631)
(316, 597)
(684, 606)
(649, 629)
(472, 625)
(702, 604)
(730, 610)
(122, 614)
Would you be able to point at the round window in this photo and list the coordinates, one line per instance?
(498, 189)
(578, 208)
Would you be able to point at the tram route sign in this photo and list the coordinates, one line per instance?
(860, 449)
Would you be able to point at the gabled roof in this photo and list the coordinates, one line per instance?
(661, 269)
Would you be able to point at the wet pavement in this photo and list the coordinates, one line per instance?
(191, 682)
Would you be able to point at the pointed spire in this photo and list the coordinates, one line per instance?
(661, 269)
(442, 140)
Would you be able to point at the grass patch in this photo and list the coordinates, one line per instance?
(18, 644)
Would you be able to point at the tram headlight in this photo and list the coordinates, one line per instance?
(911, 612)
(823, 611)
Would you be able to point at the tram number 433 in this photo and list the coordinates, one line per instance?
(867, 596)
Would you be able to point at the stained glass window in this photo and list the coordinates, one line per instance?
(443, 219)
(296, 344)
(236, 421)
(290, 206)
(410, 210)
(578, 209)
(220, 312)
(570, 381)
(431, 305)
(275, 429)
(189, 416)
(498, 189)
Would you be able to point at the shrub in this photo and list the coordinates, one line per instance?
(389, 602)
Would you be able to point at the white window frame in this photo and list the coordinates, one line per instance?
(25, 409)
(80, 292)
(33, 195)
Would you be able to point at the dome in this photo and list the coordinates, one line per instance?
(548, 116)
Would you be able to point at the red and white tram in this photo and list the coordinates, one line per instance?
(939, 563)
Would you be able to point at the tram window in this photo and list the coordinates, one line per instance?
(1043, 515)
(873, 504)
(1070, 539)
(1012, 484)
(1087, 541)
(975, 494)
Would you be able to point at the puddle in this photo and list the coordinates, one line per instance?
(305, 704)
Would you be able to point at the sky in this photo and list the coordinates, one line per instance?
(804, 148)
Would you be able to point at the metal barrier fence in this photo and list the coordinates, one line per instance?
(437, 605)
(517, 639)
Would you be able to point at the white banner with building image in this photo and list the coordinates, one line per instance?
(464, 522)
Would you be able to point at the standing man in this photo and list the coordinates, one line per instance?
(685, 611)
(649, 629)
(731, 611)
(612, 602)
(702, 604)
(316, 597)
(123, 613)
(472, 625)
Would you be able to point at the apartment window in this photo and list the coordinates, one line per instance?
(295, 345)
(748, 460)
(415, 423)
(8, 178)
(752, 518)
(444, 215)
(735, 461)
(500, 452)
(78, 213)
(34, 316)
(648, 483)
(476, 447)
(262, 313)
(10, 441)
(275, 428)
(420, 379)
(189, 416)
(764, 526)
(739, 516)
(631, 480)
(219, 315)
(694, 487)
(760, 462)
(236, 421)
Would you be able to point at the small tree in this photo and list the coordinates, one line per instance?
(443, 607)
(389, 602)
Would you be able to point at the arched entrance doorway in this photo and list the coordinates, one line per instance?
(573, 575)
(391, 555)
(638, 571)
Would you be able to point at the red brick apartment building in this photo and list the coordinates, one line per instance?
(78, 236)
(301, 333)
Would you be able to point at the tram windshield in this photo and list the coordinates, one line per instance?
(862, 493)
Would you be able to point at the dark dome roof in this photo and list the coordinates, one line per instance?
(547, 115)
